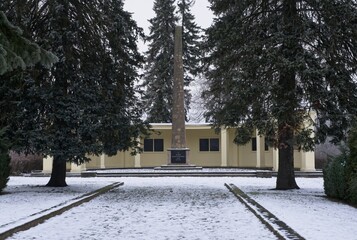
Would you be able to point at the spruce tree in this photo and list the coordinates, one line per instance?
(158, 76)
(271, 63)
(87, 104)
(192, 53)
(120, 72)
(4, 160)
(159, 68)
(16, 52)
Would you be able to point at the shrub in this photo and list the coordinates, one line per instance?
(335, 179)
(353, 190)
(4, 162)
(21, 163)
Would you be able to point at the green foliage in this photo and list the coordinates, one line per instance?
(17, 51)
(255, 47)
(87, 103)
(159, 68)
(352, 165)
(271, 64)
(352, 190)
(4, 161)
(335, 177)
(340, 175)
(191, 40)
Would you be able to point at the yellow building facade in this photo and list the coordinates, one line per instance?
(207, 149)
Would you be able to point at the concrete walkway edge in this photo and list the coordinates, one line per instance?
(40, 217)
(278, 227)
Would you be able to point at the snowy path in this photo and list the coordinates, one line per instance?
(157, 208)
(26, 196)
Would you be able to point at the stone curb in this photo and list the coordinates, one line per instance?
(23, 225)
(175, 174)
(276, 226)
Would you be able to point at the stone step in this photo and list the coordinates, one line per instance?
(179, 167)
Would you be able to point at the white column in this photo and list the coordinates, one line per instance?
(78, 168)
(307, 161)
(224, 147)
(308, 158)
(258, 152)
(47, 164)
(102, 160)
(275, 159)
(137, 160)
(262, 151)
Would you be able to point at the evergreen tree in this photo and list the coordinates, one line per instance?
(159, 69)
(4, 161)
(119, 72)
(158, 77)
(15, 52)
(191, 46)
(87, 104)
(269, 63)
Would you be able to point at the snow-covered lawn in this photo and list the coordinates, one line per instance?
(175, 208)
(306, 210)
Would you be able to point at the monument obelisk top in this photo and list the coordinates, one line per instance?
(179, 151)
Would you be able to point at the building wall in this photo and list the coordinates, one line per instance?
(121, 160)
(229, 154)
(202, 158)
(154, 159)
(94, 162)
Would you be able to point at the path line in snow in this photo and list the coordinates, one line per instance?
(278, 227)
(35, 219)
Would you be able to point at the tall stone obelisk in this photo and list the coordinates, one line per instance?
(178, 153)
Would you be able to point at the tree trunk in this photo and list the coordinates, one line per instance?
(58, 175)
(286, 174)
(287, 102)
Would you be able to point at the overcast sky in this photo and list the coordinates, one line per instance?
(143, 10)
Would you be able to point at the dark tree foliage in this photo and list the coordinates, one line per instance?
(351, 165)
(270, 64)
(158, 76)
(16, 52)
(192, 53)
(87, 104)
(4, 161)
(159, 68)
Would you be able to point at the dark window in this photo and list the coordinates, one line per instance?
(148, 145)
(204, 144)
(153, 145)
(158, 145)
(266, 145)
(214, 144)
(254, 144)
(209, 144)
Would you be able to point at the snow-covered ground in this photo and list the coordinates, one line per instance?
(176, 208)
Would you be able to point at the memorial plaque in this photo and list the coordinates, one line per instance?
(178, 156)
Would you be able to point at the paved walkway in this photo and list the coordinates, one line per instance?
(154, 209)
